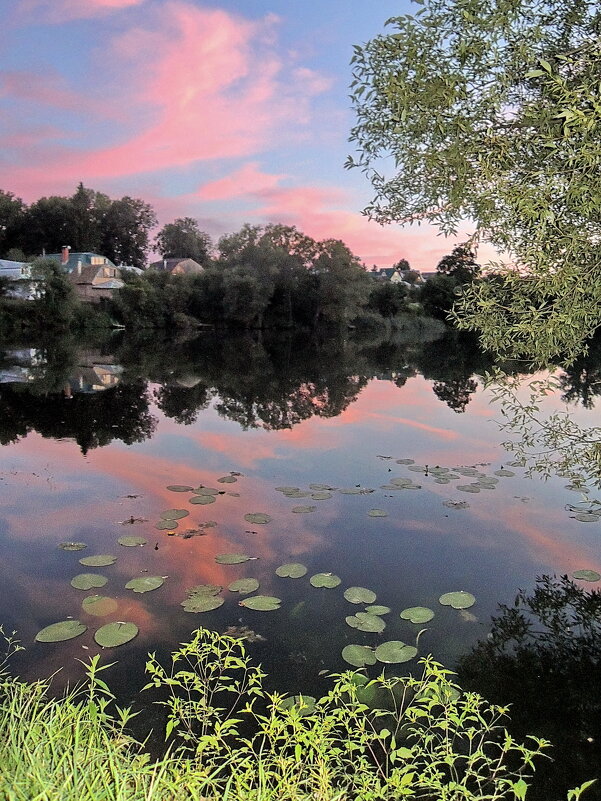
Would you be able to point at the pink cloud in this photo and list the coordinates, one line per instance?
(57, 11)
(247, 180)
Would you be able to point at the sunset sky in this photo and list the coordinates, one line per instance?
(228, 112)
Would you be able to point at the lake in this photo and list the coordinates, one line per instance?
(362, 432)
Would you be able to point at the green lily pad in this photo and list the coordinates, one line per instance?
(503, 472)
(99, 605)
(417, 468)
(321, 495)
(131, 542)
(395, 652)
(303, 510)
(258, 518)
(351, 491)
(586, 517)
(102, 560)
(328, 580)
(363, 621)
(114, 634)
(145, 584)
(358, 655)
(72, 546)
(287, 489)
(401, 482)
(586, 575)
(466, 471)
(174, 514)
(166, 525)
(244, 586)
(87, 581)
(205, 589)
(291, 570)
(468, 487)
(457, 600)
(297, 494)
(232, 558)
(377, 610)
(179, 488)
(405, 461)
(203, 500)
(377, 513)
(359, 595)
(206, 491)
(439, 471)
(320, 487)
(261, 603)
(201, 602)
(442, 480)
(417, 614)
(456, 504)
(227, 480)
(303, 704)
(59, 632)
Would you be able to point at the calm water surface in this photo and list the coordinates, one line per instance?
(93, 437)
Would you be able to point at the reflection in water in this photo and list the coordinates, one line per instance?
(543, 656)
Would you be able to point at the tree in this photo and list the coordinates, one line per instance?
(126, 231)
(387, 299)
(183, 239)
(460, 264)
(88, 210)
(49, 223)
(491, 111)
(12, 213)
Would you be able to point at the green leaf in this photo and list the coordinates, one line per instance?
(244, 585)
(131, 542)
(457, 600)
(258, 518)
(115, 634)
(145, 584)
(86, 581)
(102, 560)
(261, 603)
(358, 655)
(417, 614)
(359, 595)
(99, 605)
(395, 652)
(328, 580)
(58, 632)
(586, 575)
(232, 558)
(291, 570)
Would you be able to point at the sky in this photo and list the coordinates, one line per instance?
(228, 112)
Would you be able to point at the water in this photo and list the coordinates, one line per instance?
(92, 437)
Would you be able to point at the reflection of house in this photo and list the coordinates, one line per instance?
(93, 378)
(21, 284)
(177, 266)
(93, 276)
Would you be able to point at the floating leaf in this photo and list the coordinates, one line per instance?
(201, 603)
(167, 525)
(366, 622)
(297, 494)
(439, 471)
(261, 603)
(359, 595)
(417, 468)
(586, 575)
(358, 655)
(468, 487)
(99, 605)
(586, 517)
(466, 471)
(321, 495)
(503, 472)
(405, 461)
(232, 558)
(377, 610)
(395, 652)
(291, 570)
(442, 481)
(227, 480)
(179, 488)
(131, 542)
(302, 704)
(174, 514)
(328, 580)
(456, 504)
(72, 546)
(205, 589)
(86, 581)
(58, 632)
(145, 584)
(114, 634)
(320, 487)
(258, 518)
(206, 491)
(102, 560)
(287, 489)
(377, 513)
(417, 614)
(351, 491)
(402, 482)
(303, 510)
(202, 499)
(458, 600)
(244, 585)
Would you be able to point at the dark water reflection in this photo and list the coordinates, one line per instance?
(94, 432)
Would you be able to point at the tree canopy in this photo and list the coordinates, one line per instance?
(491, 111)
(183, 239)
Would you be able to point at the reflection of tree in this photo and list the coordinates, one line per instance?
(544, 657)
(456, 394)
(183, 404)
(581, 380)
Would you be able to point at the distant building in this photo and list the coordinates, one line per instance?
(22, 284)
(177, 266)
(93, 276)
(392, 274)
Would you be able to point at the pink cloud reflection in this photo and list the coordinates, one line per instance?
(58, 11)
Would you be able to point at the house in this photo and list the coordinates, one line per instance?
(93, 276)
(177, 266)
(392, 274)
(22, 284)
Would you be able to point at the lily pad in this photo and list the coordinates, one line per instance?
(359, 595)
(395, 652)
(205, 589)
(466, 471)
(145, 584)
(442, 480)
(202, 499)
(363, 621)
(328, 580)
(179, 488)
(405, 461)
(297, 494)
(261, 603)
(166, 525)
(417, 468)
(99, 605)
(58, 632)
(232, 558)
(303, 510)
(417, 614)
(86, 581)
(358, 655)
(287, 489)
(503, 472)
(457, 600)
(174, 514)
(586, 575)
(206, 491)
(244, 585)
(456, 504)
(291, 570)
(72, 546)
(320, 487)
(227, 480)
(258, 518)
(351, 491)
(321, 495)
(586, 517)
(102, 560)
(302, 704)
(131, 542)
(114, 634)
(377, 513)
(201, 602)
(377, 609)
(468, 487)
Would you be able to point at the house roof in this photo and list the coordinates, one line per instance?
(14, 269)
(178, 265)
(85, 259)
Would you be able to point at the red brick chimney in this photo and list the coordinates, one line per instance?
(65, 254)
